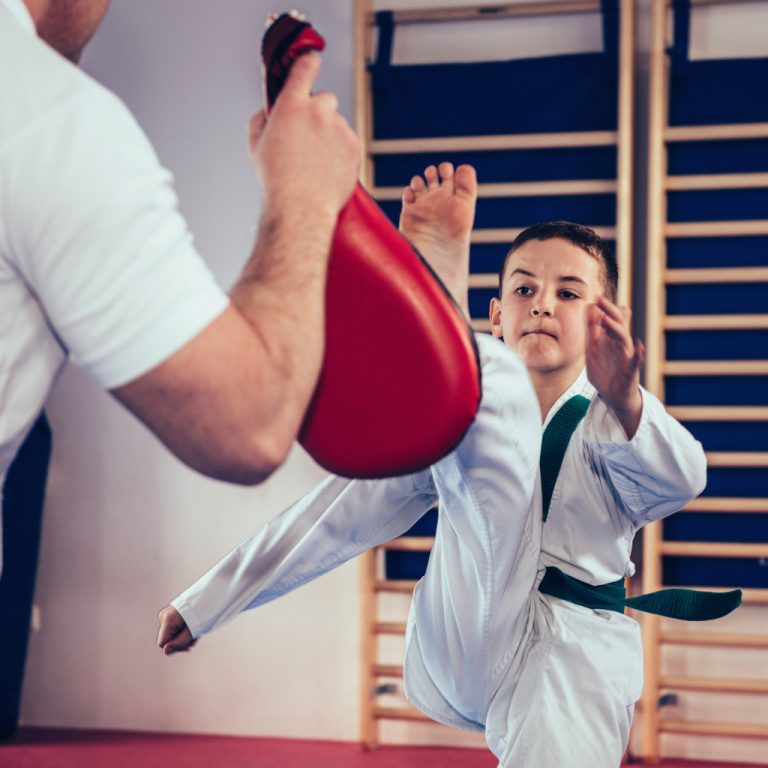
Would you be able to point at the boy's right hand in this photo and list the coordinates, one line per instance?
(174, 633)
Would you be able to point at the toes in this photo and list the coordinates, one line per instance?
(446, 172)
(433, 180)
(417, 185)
(465, 181)
(409, 196)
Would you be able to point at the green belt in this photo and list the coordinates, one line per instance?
(686, 604)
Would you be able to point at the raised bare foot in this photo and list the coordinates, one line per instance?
(437, 218)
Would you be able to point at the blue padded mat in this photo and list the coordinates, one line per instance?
(715, 572)
(717, 345)
(741, 482)
(716, 299)
(718, 205)
(504, 166)
(716, 390)
(732, 436)
(735, 527)
(724, 156)
(702, 252)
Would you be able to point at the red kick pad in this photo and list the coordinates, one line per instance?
(400, 383)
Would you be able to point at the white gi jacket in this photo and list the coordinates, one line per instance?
(551, 683)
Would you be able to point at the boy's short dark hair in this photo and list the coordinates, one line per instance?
(582, 237)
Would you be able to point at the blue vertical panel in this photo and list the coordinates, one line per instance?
(718, 92)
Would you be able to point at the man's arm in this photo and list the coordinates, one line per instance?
(230, 402)
(333, 523)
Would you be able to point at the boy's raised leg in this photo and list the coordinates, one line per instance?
(437, 215)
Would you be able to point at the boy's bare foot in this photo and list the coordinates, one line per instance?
(437, 218)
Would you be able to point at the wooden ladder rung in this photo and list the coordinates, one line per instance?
(726, 504)
(712, 549)
(443, 144)
(714, 322)
(716, 275)
(715, 367)
(716, 228)
(409, 544)
(716, 181)
(521, 189)
(737, 459)
(504, 235)
(744, 730)
(400, 713)
(388, 670)
(389, 628)
(405, 586)
(714, 685)
(715, 639)
(716, 132)
(719, 412)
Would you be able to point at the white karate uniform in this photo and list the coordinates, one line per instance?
(550, 683)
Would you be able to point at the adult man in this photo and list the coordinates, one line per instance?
(96, 261)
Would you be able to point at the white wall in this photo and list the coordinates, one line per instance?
(126, 526)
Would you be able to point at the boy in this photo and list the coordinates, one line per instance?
(551, 682)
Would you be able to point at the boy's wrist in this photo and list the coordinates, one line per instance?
(629, 412)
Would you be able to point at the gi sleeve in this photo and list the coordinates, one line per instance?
(655, 473)
(334, 522)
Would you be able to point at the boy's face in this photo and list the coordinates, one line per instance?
(547, 287)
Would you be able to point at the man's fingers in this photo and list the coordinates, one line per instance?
(329, 99)
(256, 126)
(302, 76)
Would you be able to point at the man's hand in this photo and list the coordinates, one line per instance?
(306, 153)
(174, 633)
(613, 361)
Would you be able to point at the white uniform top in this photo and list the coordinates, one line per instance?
(95, 259)
(551, 683)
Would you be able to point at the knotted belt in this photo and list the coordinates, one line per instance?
(686, 604)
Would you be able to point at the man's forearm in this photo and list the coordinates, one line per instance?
(281, 295)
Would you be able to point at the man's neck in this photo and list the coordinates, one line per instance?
(549, 385)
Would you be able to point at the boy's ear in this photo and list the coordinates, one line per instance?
(494, 313)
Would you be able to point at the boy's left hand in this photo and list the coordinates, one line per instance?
(613, 361)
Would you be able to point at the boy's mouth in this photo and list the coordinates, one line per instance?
(539, 332)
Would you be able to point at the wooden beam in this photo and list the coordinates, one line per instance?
(522, 189)
(725, 504)
(713, 549)
(388, 670)
(484, 281)
(716, 132)
(736, 730)
(492, 143)
(719, 412)
(715, 322)
(410, 544)
(716, 228)
(715, 368)
(400, 713)
(737, 459)
(715, 639)
(403, 586)
(389, 628)
(719, 275)
(488, 235)
(492, 12)
(624, 150)
(716, 181)
(715, 685)
(481, 326)
(367, 606)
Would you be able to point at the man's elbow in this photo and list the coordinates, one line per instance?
(248, 461)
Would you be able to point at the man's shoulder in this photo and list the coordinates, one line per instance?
(39, 85)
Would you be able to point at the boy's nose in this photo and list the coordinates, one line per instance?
(536, 311)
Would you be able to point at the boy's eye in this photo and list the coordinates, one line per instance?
(523, 290)
(568, 295)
